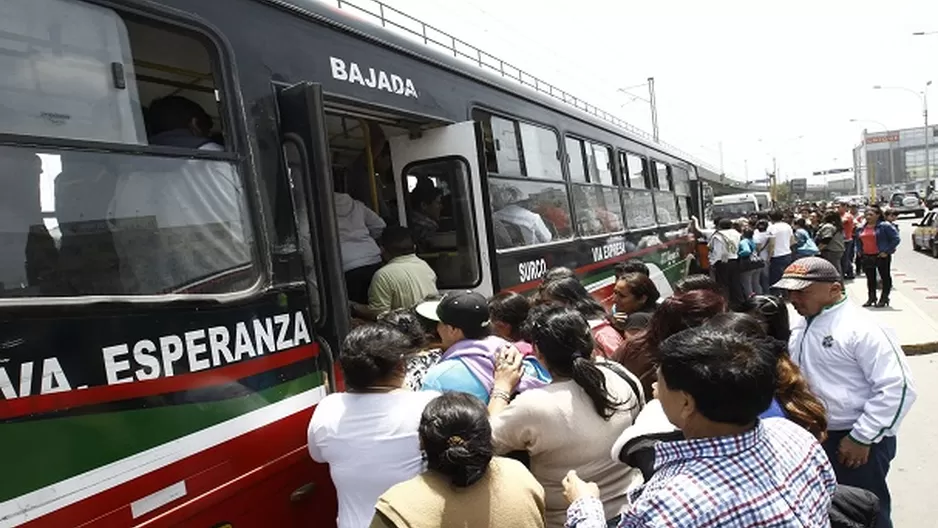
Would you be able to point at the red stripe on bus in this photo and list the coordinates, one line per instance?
(519, 288)
(125, 391)
(249, 475)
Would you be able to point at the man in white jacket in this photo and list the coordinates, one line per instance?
(859, 371)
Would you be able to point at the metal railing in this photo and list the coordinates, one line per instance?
(389, 17)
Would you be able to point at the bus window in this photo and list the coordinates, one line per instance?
(68, 73)
(502, 151)
(78, 222)
(662, 178)
(517, 149)
(597, 209)
(600, 164)
(541, 152)
(633, 166)
(445, 235)
(525, 213)
(681, 178)
(665, 207)
(575, 159)
(639, 208)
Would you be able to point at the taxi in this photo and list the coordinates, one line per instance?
(925, 234)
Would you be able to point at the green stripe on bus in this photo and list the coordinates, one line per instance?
(43, 452)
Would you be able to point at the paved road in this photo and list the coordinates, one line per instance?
(916, 273)
(914, 472)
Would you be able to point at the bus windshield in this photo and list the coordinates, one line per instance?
(733, 209)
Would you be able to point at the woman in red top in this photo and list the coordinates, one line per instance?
(571, 293)
(878, 240)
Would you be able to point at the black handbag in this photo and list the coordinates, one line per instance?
(853, 508)
(754, 262)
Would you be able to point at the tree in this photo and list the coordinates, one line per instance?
(782, 194)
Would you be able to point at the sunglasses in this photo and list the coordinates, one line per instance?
(768, 305)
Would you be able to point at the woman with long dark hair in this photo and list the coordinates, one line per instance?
(571, 423)
(375, 410)
(677, 312)
(635, 298)
(830, 239)
(425, 344)
(463, 476)
(878, 240)
(570, 292)
(793, 399)
(507, 313)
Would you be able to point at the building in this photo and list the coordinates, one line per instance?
(895, 159)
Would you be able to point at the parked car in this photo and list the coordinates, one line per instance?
(925, 234)
(907, 202)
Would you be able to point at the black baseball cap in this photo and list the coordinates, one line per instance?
(806, 271)
(465, 310)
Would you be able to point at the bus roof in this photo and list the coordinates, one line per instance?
(488, 68)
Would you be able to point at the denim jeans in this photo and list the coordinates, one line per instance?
(777, 268)
(846, 260)
(870, 476)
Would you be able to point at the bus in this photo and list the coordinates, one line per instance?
(171, 283)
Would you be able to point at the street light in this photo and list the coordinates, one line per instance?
(923, 96)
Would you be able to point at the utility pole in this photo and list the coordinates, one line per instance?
(927, 135)
(654, 111)
(773, 182)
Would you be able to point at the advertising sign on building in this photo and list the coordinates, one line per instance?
(891, 137)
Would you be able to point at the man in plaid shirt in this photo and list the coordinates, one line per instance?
(732, 470)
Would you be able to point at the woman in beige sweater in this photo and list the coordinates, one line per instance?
(465, 486)
(571, 423)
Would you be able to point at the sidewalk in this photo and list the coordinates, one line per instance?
(918, 333)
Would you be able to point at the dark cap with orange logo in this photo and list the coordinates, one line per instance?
(807, 271)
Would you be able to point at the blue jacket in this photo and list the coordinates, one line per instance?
(887, 238)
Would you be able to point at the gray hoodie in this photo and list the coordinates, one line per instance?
(359, 226)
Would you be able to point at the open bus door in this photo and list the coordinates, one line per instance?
(305, 147)
(449, 158)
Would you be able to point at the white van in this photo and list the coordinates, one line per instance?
(736, 205)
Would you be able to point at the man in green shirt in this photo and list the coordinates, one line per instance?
(402, 282)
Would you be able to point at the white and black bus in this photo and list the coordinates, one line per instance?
(170, 307)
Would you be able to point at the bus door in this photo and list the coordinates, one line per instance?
(306, 155)
(439, 182)
(305, 146)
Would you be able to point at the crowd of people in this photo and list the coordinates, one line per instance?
(748, 255)
(697, 409)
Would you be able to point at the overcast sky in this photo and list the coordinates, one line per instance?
(763, 78)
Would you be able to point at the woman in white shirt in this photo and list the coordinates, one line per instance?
(572, 422)
(368, 435)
